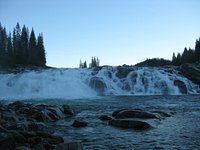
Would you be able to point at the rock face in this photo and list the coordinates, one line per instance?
(191, 71)
(25, 125)
(181, 85)
(98, 84)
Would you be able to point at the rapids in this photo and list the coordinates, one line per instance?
(76, 83)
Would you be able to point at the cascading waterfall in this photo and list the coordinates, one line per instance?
(85, 83)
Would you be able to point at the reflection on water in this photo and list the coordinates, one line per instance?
(180, 131)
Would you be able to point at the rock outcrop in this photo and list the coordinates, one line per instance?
(191, 71)
(25, 125)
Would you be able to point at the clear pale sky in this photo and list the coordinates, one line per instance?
(117, 31)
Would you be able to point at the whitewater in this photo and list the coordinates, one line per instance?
(90, 83)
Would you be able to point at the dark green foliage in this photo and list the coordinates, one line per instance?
(40, 51)
(83, 65)
(94, 62)
(19, 49)
(188, 55)
(155, 62)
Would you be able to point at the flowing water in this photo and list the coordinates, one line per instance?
(73, 87)
(181, 131)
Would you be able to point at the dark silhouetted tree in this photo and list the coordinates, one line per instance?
(32, 49)
(24, 46)
(41, 51)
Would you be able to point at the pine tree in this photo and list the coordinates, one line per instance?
(18, 49)
(174, 59)
(32, 49)
(197, 50)
(41, 51)
(10, 60)
(24, 46)
(85, 64)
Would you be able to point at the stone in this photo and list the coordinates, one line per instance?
(134, 114)
(181, 85)
(130, 124)
(68, 112)
(7, 141)
(54, 139)
(98, 85)
(77, 124)
(123, 71)
(70, 146)
(105, 118)
(22, 148)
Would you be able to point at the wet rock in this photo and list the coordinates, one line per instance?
(39, 146)
(123, 71)
(34, 140)
(181, 85)
(98, 84)
(77, 124)
(130, 124)
(7, 141)
(105, 118)
(22, 148)
(70, 146)
(68, 112)
(162, 114)
(134, 114)
(53, 139)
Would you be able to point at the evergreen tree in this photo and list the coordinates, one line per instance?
(24, 46)
(178, 59)
(174, 59)
(10, 60)
(85, 64)
(18, 48)
(41, 51)
(197, 50)
(32, 49)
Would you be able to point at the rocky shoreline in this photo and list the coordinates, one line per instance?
(28, 126)
(25, 126)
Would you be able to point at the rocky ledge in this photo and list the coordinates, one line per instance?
(25, 126)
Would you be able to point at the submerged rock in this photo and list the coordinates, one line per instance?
(105, 118)
(78, 123)
(130, 124)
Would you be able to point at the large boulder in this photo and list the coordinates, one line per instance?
(130, 124)
(191, 71)
(134, 114)
(98, 85)
(181, 85)
(123, 71)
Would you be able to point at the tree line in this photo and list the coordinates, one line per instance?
(21, 48)
(95, 62)
(188, 55)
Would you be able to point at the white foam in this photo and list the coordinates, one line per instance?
(74, 83)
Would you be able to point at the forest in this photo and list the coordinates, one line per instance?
(21, 48)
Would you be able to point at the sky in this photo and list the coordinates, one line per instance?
(116, 31)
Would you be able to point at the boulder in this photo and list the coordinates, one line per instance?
(130, 124)
(98, 85)
(105, 118)
(134, 114)
(77, 124)
(181, 85)
(123, 71)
